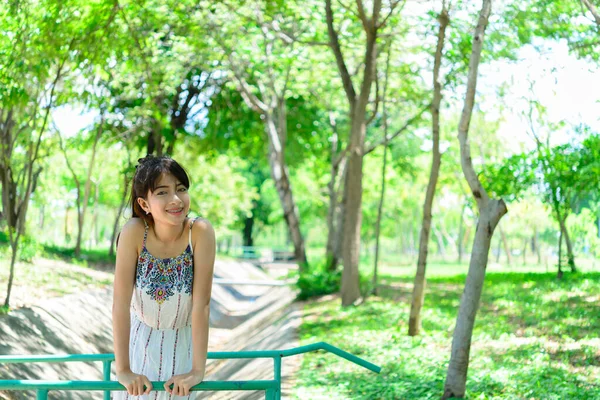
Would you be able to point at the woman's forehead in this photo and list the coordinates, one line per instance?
(167, 179)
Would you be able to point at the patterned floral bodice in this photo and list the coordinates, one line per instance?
(162, 296)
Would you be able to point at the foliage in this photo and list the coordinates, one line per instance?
(317, 280)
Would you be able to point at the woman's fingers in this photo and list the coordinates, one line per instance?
(168, 386)
(186, 390)
(146, 381)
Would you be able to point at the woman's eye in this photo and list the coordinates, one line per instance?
(161, 193)
(183, 190)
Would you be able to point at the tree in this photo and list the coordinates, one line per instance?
(490, 212)
(35, 35)
(265, 91)
(414, 323)
(357, 102)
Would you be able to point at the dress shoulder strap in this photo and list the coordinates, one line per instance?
(190, 235)
(145, 231)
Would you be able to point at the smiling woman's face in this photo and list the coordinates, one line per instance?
(169, 202)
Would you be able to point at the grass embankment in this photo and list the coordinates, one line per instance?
(535, 338)
(54, 272)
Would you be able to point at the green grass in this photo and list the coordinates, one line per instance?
(535, 337)
(94, 256)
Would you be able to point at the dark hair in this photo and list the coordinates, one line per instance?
(147, 175)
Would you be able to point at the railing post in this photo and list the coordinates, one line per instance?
(270, 394)
(42, 394)
(106, 376)
(277, 375)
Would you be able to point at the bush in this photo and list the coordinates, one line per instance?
(317, 280)
(28, 249)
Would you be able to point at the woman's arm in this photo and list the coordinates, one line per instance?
(204, 242)
(127, 253)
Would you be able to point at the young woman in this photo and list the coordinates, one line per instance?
(162, 286)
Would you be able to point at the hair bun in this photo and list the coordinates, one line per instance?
(144, 160)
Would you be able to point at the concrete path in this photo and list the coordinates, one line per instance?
(242, 317)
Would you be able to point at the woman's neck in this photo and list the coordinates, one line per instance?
(168, 233)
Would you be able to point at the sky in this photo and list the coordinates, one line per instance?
(568, 87)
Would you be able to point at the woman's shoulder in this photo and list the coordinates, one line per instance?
(202, 227)
(133, 227)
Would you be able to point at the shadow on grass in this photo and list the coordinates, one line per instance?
(525, 304)
(525, 343)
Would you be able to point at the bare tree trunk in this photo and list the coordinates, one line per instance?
(570, 255)
(332, 252)
(418, 295)
(506, 246)
(13, 258)
(379, 213)
(383, 170)
(441, 248)
(341, 213)
(490, 213)
(87, 189)
(113, 236)
(350, 288)
(272, 109)
(461, 341)
(67, 236)
(280, 176)
(560, 242)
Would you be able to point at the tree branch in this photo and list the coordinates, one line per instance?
(404, 127)
(339, 57)
(481, 196)
(593, 10)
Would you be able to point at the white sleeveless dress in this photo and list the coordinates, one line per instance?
(160, 340)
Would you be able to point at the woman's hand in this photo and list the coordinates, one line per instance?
(134, 383)
(184, 382)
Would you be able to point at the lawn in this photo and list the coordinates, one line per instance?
(535, 338)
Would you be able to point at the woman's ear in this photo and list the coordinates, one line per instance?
(144, 204)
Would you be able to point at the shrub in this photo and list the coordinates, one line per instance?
(317, 280)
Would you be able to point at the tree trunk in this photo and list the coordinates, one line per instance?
(350, 287)
(341, 213)
(67, 236)
(418, 295)
(331, 255)
(248, 225)
(441, 248)
(13, 258)
(490, 213)
(560, 242)
(459, 242)
(379, 214)
(469, 303)
(525, 243)
(570, 255)
(383, 171)
(280, 175)
(88, 186)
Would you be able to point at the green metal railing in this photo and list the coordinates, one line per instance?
(272, 387)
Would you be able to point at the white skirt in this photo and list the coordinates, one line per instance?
(158, 354)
